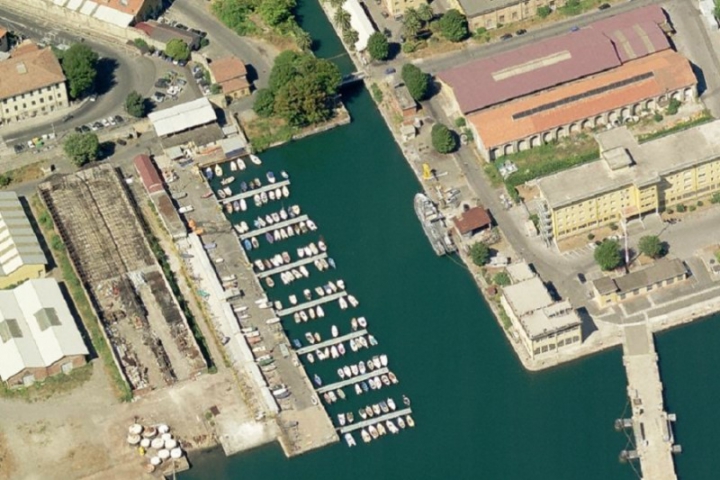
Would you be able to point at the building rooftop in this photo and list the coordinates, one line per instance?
(183, 117)
(540, 65)
(527, 296)
(472, 219)
(148, 173)
(519, 272)
(227, 68)
(630, 83)
(18, 244)
(550, 320)
(662, 270)
(164, 33)
(36, 327)
(651, 160)
(359, 22)
(405, 100)
(27, 70)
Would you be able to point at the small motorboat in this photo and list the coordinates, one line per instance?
(363, 413)
(221, 193)
(296, 317)
(269, 237)
(303, 316)
(393, 378)
(209, 173)
(401, 423)
(391, 404)
(376, 361)
(340, 284)
(370, 365)
(284, 174)
(243, 187)
(331, 262)
(271, 195)
(236, 206)
(333, 352)
(372, 340)
(343, 303)
(341, 419)
(278, 193)
(362, 342)
(353, 301)
(227, 181)
(369, 411)
(381, 429)
(271, 177)
(391, 426)
(317, 380)
(406, 400)
(240, 164)
(218, 170)
(349, 439)
(285, 191)
(319, 311)
(341, 349)
(247, 245)
(373, 432)
(358, 390)
(310, 358)
(334, 331)
(309, 337)
(362, 322)
(384, 407)
(275, 216)
(354, 370)
(354, 324)
(317, 337)
(296, 343)
(341, 373)
(376, 409)
(349, 415)
(386, 380)
(269, 282)
(333, 398)
(383, 360)
(347, 371)
(243, 204)
(293, 299)
(361, 368)
(365, 436)
(255, 159)
(326, 397)
(307, 293)
(410, 421)
(227, 191)
(233, 166)
(263, 197)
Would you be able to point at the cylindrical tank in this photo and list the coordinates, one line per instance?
(135, 429)
(145, 442)
(166, 436)
(162, 428)
(176, 452)
(155, 461)
(133, 439)
(164, 454)
(149, 432)
(157, 443)
(170, 444)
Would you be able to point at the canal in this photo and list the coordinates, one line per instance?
(478, 413)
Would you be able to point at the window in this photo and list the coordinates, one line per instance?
(501, 18)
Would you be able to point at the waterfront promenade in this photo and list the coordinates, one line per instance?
(651, 426)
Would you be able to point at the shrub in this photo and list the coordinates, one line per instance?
(613, 226)
(141, 44)
(700, 203)
(607, 255)
(591, 236)
(715, 198)
(658, 117)
(680, 208)
(544, 11)
(443, 139)
(417, 81)
(502, 279)
(480, 254)
(651, 246)
(377, 94)
(460, 122)
(673, 106)
(135, 105)
(5, 180)
(692, 208)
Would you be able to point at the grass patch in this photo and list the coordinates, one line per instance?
(704, 117)
(576, 7)
(548, 159)
(82, 303)
(377, 94)
(50, 387)
(493, 175)
(265, 132)
(21, 175)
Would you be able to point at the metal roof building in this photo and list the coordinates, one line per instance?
(37, 329)
(18, 244)
(183, 117)
(359, 22)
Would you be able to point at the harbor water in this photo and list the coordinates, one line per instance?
(478, 414)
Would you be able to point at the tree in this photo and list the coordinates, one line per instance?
(416, 80)
(453, 26)
(607, 255)
(444, 140)
(342, 19)
(303, 40)
(275, 12)
(544, 11)
(425, 13)
(79, 63)
(480, 254)
(411, 24)
(177, 50)
(81, 148)
(350, 36)
(378, 46)
(135, 105)
(502, 279)
(264, 101)
(651, 246)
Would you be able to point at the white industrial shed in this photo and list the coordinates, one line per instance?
(183, 117)
(359, 22)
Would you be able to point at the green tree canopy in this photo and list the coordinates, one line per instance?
(411, 24)
(79, 63)
(417, 82)
(607, 255)
(378, 46)
(350, 36)
(651, 246)
(264, 101)
(502, 279)
(81, 148)
(135, 105)
(177, 50)
(425, 13)
(453, 26)
(341, 18)
(480, 254)
(275, 12)
(443, 139)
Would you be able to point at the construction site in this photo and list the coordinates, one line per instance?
(145, 327)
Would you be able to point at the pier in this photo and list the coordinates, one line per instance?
(331, 342)
(274, 226)
(353, 380)
(373, 421)
(651, 424)
(255, 191)
(290, 266)
(310, 304)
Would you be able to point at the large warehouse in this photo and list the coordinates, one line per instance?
(538, 93)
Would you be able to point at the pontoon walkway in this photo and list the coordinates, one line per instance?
(353, 380)
(273, 227)
(290, 266)
(331, 342)
(310, 304)
(376, 420)
(251, 193)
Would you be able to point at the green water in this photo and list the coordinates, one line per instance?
(478, 413)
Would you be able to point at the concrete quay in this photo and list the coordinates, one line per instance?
(650, 422)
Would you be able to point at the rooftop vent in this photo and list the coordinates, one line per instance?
(21, 68)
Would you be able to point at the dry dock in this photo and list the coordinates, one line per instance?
(650, 423)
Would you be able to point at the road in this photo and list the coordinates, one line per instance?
(474, 50)
(258, 56)
(122, 72)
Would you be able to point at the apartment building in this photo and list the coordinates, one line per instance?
(665, 272)
(31, 83)
(490, 14)
(631, 179)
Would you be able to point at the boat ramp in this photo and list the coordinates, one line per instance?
(331, 342)
(353, 380)
(310, 304)
(290, 266)
(273, 227)
(373, 421)
(255, 191)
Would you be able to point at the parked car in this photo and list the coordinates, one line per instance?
(97, 126)
(19, 148)
(161, 83)
(581, 278)
(390, 71)
(85, 128)
(604, 6)
(574, 28)
(120, 141)
(507, 36)
(66, 118)
(186, 209)
(119, 119)
(158, 97)
(522, 31)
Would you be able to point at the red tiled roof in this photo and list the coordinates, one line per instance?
(473, 219)
(148, 173)
(670, 71)
(602, 45)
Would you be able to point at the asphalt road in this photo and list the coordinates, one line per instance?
(122, 72)
(475, 51)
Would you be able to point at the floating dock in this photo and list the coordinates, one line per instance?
(353, 380)
(376, 420)
(274, 226)
(310, 304)
(290, 266)
(255, 191)
(650, 422)
(331, 342)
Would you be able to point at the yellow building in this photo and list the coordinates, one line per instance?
(21, 257)
(396, 8)
(543, 325)
(32, 84)
(492, 14)
(631, 180)
(663, 273)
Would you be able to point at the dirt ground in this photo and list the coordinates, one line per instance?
(82, 434)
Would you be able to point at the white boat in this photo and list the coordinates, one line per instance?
(296, 317)
(377, 362)
(293, 300)
(218, 170)
(353, 301)
(401, 422)
(370, 365)
(269, 282)
(410, 421)
(301, 252)
(256, 199)
(311, 225)
(333, 397)
(285, 191)
(307, 293)
(320, 291)
(353, 345)
(327, 289)
(341, 419)
(263, 197)
(313, 248)
(227, 181)
(290, 232)
(255, 159)
(354, 369)
(376, 409)
(340, 284)
(349, 439)
(320, 312)
(233, 166)
(365, 436)
(304, 271)
(348, 372)
(322, 246)
(362, 322)
(391, 426)
(391, 404)
(310, 358)
(341, 348)
(342, 302)
(303, 316)
(271, 195)
(227, 191)
(358, 389)
(341, 373)
(295, 209)
(334, 331)
(373, 432)
(384, 360)
(361, 368)
(311, 313)
(283, 214)
(240, 164)
(354, 324)
(243, 204)
(333, 352)
(317, 337)
(278, 193)
(381, 429)
(362, 342)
